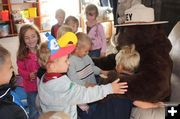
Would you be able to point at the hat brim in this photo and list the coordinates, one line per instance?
(62, 52)
(141, 23)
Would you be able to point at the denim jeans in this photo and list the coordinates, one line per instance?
(113, 108)
(31, 97)
(84, 114)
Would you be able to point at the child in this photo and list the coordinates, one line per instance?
(96, 32)
(60, 15)
(29, 38)
(62, 30)
(119, 106)
(8, 109)
(127, 61)
(72, 22)
(82, 70)
(58, 93)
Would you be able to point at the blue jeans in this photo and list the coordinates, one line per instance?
(84, 114)
(33, 113)
(113, 108)
(95, 53)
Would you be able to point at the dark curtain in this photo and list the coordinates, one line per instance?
(168, 10)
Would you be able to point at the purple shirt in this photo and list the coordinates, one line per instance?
(98, 38)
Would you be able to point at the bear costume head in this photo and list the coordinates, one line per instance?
(151, 81)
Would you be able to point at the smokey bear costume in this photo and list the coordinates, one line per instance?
(151, 82)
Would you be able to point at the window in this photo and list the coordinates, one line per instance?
(71, 7)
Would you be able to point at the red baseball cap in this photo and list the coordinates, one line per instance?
(56, 50)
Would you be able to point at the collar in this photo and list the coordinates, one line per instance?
(5, 91)
(51, 76)
(126, 73)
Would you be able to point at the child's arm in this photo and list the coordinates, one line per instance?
(22, 70)
(96, 69)
(103, 40)
(147, 105)
(25, 72)
(103, 75)
(73, 93)
(104, 72)
(112, 76)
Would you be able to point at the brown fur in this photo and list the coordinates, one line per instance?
(151, 82)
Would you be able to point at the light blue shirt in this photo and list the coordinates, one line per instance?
(61, 94)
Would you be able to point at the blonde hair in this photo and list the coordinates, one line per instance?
(60, 11)
(128, 57)
(43, 53)
(54, 115)
(71, 19)
(91, 7)
(62, 30)
(82, 39)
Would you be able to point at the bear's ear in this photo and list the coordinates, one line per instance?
(105, 63)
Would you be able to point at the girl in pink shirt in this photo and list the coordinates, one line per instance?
(96, 32)
(29, 39)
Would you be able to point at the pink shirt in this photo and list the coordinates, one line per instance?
(25, 67)
(98, 37)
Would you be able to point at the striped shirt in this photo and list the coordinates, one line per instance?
(82, 70)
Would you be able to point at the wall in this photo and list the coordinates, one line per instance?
(11, 44)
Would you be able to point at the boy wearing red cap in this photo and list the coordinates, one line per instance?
(56, 91)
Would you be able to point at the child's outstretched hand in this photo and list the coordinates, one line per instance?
(104, 72)
(84, 107)
(119, 88)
